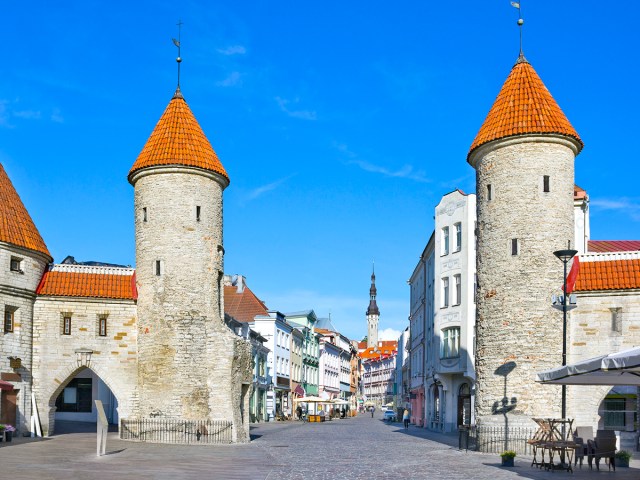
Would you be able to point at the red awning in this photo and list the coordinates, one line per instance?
(5, 385)
(299, 391)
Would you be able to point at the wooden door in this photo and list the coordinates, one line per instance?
(8, 407)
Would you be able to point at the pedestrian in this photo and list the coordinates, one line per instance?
(405, 418)
(373, 409)
(299, 412)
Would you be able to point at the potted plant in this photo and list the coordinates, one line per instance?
(507, 458)
(622, 458)
(8, 432)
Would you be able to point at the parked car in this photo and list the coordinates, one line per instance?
(390, 416)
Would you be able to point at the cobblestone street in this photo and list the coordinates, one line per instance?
(355, 448)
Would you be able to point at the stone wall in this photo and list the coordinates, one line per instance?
(55, 361)
(518, 332)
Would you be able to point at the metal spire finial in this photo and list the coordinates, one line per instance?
(177, 44)
(520, 23)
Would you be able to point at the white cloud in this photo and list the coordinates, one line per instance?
(232, 80)
(56, 116)
(303, 114)
(389, 334)
(406, 171)
(27, 114)
(622, 205)
(257, 192)
(233, 50)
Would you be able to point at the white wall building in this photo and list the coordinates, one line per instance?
(277, 331)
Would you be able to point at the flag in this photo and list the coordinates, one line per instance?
(573, 275)
(515, 4)
(177, 43)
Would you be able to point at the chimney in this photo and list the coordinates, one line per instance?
(239, 283)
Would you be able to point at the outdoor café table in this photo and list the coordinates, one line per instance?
(565, 451)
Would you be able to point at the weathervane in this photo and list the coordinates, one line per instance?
(177, 44)
(520, 23)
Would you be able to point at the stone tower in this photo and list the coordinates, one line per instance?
(373, 315)
(524, 159)
(191, 366)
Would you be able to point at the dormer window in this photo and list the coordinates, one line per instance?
(16, 265)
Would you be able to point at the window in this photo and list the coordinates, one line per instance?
(445, 292)
(158, 268)
(144, 214)
(450, 347)
(76, 396)
(616, 319)
(198, 213)
(458, 280)
(16, 264)
(514, 246)
(445, 241)
(489, 192)
(545, 184)
(458, 236)
(66, 325)
(102, 326)
(618, 413)
(9, 316)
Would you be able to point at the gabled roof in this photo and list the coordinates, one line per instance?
(88, 282)
(609, 271)
(178, 139)
(16, 225)
(614, 245)
(244, 305)
(524, 106)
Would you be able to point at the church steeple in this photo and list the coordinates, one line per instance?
(373, 314)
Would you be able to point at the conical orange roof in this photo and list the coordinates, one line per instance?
(178, 139)
(16, 226)
(524, 106)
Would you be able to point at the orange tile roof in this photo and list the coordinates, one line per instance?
(88, 282)
(615, 274)
(178, 139)
(388, 348)
(523, 106)
(243, 306)
(16, 225)
(578, 193)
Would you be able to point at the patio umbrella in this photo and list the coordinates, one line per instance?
(621, 368)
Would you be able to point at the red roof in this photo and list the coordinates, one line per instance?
(16, 225)
(614, 245)
(620, 272)
(178, 139)
(89, 282)
(524, 106)
(387, 349)
(243, 306)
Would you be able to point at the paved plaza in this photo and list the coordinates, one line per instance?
(354, 448)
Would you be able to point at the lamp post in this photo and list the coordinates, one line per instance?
(564, 256)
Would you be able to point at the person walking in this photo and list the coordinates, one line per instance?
(373, 409)
(405, 418)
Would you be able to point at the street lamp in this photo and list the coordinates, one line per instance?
(564, 256)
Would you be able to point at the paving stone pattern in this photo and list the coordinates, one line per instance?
(354, 448)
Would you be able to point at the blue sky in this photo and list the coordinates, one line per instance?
(341, 124)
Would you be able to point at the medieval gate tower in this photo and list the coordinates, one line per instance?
(524, 159)
(190, 365)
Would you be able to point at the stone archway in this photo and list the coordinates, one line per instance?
(47, 397)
